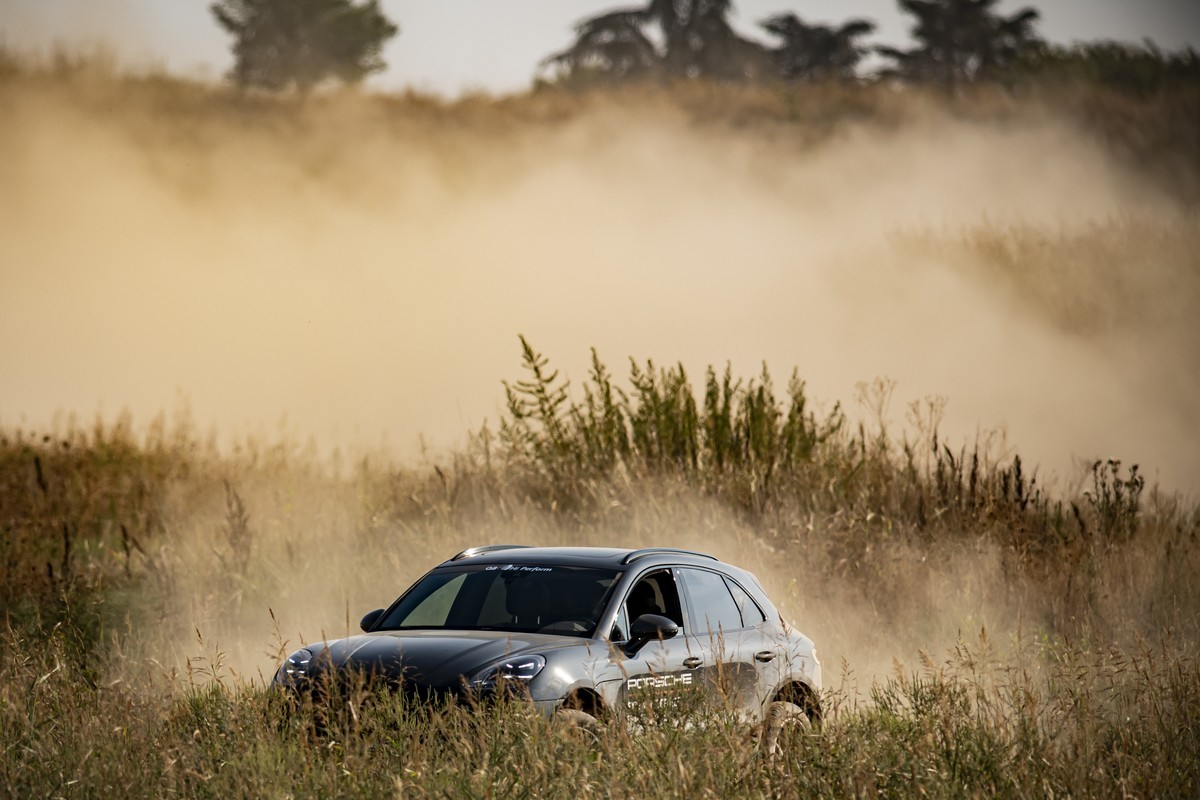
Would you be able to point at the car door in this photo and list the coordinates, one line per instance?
(719, 635)
(770, 653)
(661, 677)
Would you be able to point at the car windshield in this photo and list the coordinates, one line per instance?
(525, 598)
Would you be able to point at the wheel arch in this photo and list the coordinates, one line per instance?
(586, 698)
(803, 695)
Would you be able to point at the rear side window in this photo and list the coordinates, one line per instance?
(751, 614)
(713, 607)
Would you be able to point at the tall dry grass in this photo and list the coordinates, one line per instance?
(1044, 719)
(186, 568)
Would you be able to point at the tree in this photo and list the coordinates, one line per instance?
(613, 45)
(962, 41)
(816, 52)
(694, 39)
(284, 43)
(700, 42)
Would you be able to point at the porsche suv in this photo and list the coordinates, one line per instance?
(585, 633)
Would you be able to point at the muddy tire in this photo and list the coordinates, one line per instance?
(783, 721)
(578, 723)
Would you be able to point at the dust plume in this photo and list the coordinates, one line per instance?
(365, 272)
(361, 266)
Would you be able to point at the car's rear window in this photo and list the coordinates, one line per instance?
(524, 598)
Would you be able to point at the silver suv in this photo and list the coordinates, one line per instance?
(586, 633)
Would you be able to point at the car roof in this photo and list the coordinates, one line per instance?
(613, 557)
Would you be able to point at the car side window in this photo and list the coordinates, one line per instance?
(654, 593)
(751, 614)
(713, 607)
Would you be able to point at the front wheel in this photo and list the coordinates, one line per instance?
(579, 723)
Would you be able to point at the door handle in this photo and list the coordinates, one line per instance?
(693, 662)
(764, 656)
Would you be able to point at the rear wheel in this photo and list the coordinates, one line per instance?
(784, 722)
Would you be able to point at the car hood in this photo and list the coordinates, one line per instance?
(433, 659)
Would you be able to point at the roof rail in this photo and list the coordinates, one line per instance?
(470, 552)
(649, 551)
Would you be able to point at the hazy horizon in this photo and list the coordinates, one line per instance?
(453, 46)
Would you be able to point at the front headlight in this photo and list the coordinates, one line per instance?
(296, 666)
(514, 672)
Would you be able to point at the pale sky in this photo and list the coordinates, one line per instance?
(451, 46)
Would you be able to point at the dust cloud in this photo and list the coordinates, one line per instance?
(357, 270)
(368, 280)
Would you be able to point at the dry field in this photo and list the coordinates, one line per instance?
(989, 301)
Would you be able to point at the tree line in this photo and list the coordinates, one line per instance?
(956, 40)
(280, 44)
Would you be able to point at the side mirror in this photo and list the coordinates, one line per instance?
(370, 618)
(648, 627)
